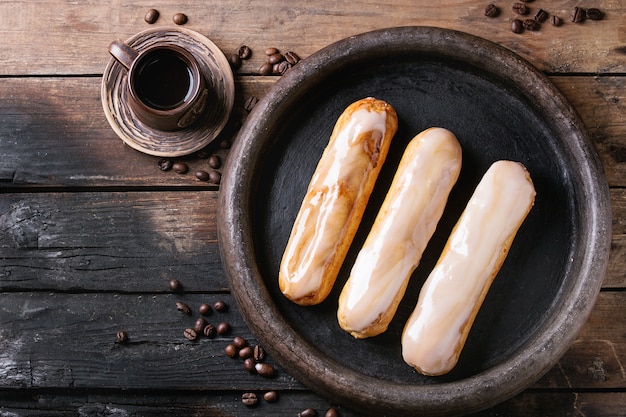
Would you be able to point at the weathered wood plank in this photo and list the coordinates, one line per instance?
(53, 132)
(290, 403)
(90, 26)
(62, 340)
(137, 241)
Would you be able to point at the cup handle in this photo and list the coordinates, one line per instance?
(123, 53)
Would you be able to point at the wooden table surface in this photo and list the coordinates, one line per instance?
(92, 231)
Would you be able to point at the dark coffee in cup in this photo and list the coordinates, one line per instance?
(166, 88)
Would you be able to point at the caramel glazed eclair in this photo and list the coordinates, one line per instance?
(437, 329)
(405, 223)
(335, 200)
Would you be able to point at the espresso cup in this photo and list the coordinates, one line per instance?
(166, 88)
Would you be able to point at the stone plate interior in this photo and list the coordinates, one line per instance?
(499, 107)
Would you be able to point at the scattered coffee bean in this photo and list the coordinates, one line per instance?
(180, 18)
(541, 16)
(210, 331)
(265, 69)
(215, 162)
(199, 325)
(121, 336)
(331, 413)
(594, 14)
(578, 15)
(202, 175)
(215, 177)
(231, 350)
(517, 26)
(275, 69)
(249, 399)
(555, 20)
(204, 309)
(180, 168)
(244, 52)
(276, 58)
(283, 67)
(531, 24)
(248, 365)
(223, 328)
(183, 308)
(235, 61)
(259, 353)
(165, 164)
(220, 306)
(292, 58)
(271, 51)
(175, 285)
(520, 8)
(225, 144)
(250, 103)
(309, 412)
(491, 10)
(265, 369)
(240, 342)
(190, 334)
(245, 352)
(270, 396)
(151, 16)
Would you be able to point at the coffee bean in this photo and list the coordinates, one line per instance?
(541, 16)
(265, 69)
(249, 399)
(204, 309)
(283, 67)
(248, 365)
(220, 306)
(265, 369)
(271, 51)
(531, 24)
(555, 20)
(199, 325)
(215, 177)
(183, 308)
(491, 10)
(578, 15)
(259, 353)
(520, 8)
(240, 342)
(275, 69)
(225, 144)
(250, 103)
(292, 58)
(331, 413)
(276, 58)
(202, 175)
(151, 16)
(594, 14)
(517, 26)
(244, 52)
(165, 164)
(270, 396)
(180, 168)
(215, 162)
(231, 350)
(210, 331)
(235, 61)
(121, 336)
(245, 352)
(180, 18)
(309, 412)
(190, 334)
(223, 328)
(175, 285)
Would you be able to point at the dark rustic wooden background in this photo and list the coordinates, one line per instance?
(91, 231)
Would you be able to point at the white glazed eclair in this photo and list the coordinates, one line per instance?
(405, 223)
(437, 329)
(335, 200)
